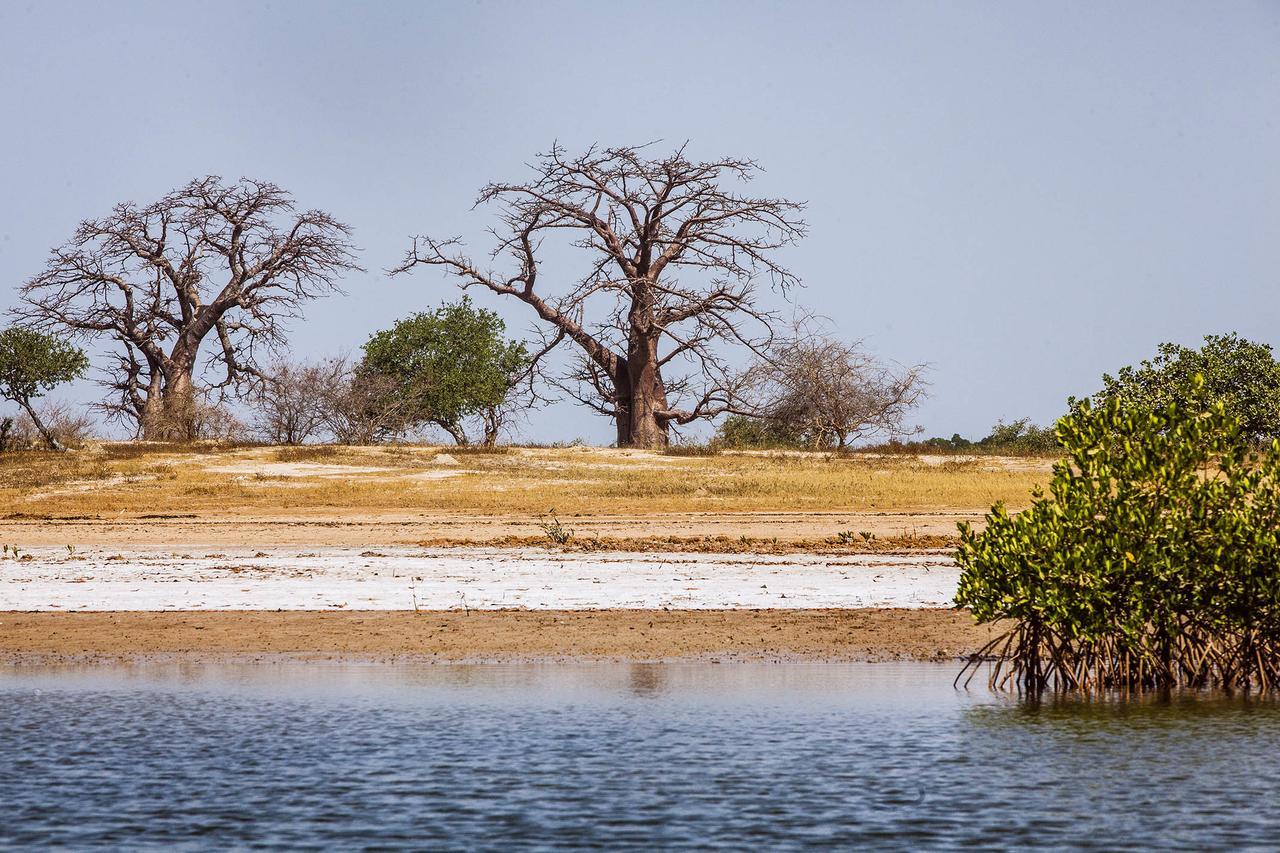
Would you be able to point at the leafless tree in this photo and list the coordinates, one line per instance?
(231, 262)
(291, 405)
(51, 422)
(673, 260)
(360, 407)
(829, 391)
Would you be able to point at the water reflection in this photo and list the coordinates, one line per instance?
(621, 755)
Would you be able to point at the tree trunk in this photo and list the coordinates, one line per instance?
(151, 419)
(492, 424)
(49, 438)
(455, 431)
(169, 413)
(647, 397)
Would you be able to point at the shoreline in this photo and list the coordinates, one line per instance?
(494, 636)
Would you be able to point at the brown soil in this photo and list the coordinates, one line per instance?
(318, 529)
(640, 635)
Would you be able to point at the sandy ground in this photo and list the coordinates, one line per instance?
(468, 579)
(345, 582)
(321, 529)
(639, 635)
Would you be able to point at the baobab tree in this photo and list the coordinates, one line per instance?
(673, 259)
(226, 262)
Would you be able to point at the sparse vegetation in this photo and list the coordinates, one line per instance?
(814, 390)
(1016, 438)
(122, 477)
(556, 532)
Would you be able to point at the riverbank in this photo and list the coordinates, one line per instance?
(507, 636)
(122, 550)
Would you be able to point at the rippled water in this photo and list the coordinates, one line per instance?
(649, 756)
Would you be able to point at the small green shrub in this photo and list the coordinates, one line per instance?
(740, 432)
(691, 450)
(1153, 560)
(556, 532)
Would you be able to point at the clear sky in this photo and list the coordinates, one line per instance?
(1022, 194)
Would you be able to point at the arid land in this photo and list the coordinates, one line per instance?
(527, 553)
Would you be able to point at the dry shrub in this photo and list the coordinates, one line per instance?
(69, 424)
(296, 405)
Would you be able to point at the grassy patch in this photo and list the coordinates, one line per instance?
(519, 481)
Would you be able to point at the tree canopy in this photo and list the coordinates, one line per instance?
(450, 364)
(33, 362)
(1242, 375)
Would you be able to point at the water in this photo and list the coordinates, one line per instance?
(771, 756)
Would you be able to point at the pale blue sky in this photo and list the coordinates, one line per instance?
(1022, 194)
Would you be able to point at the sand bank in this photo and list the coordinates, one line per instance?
(639, 635)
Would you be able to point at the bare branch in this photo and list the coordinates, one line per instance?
(675, 256)
(232, 260)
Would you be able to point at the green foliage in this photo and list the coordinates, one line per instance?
(1017, 438)
(33, 362)
(448, 364)
(1244, 376)
(1152, 560)
(555, 532)
(740, 432)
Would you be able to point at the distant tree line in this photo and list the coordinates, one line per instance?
(663, 326)
(191, 296)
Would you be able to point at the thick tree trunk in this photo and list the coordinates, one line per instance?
(647, 429)
(641, 396)
(151, 419)
(169, 413)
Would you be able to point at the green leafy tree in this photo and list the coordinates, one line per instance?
(1020, 437)
(450, 365)
(1153, 559)
(1243, 375)
(32, 363)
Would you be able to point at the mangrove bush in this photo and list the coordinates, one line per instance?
(1152, 560)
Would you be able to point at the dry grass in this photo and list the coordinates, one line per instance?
(135, 478)
(711, 544)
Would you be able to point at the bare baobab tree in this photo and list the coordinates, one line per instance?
(227, 262)
(673, 258)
